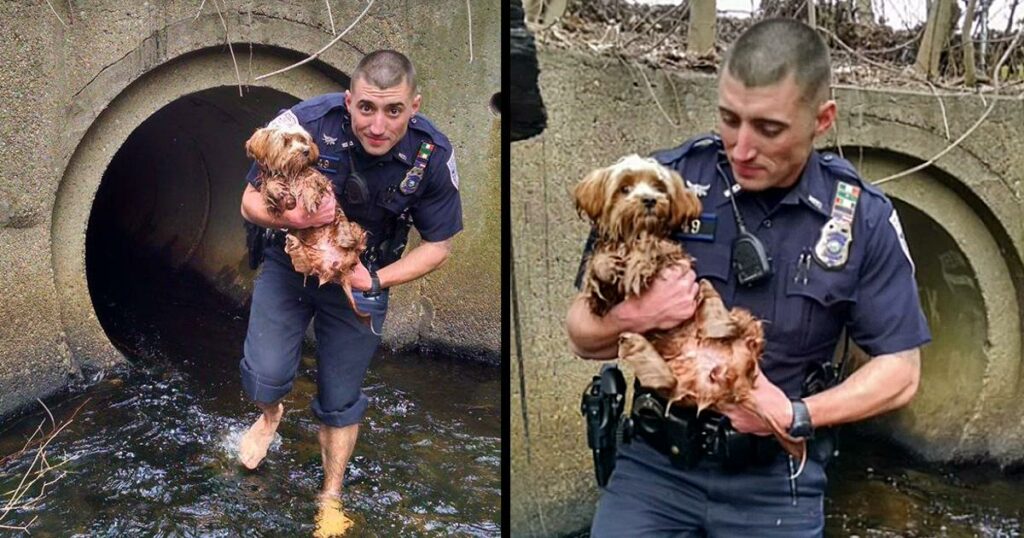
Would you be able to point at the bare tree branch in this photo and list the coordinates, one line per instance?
(977, 123)
(55, 14)
(330, 16)
(321, 51)
(231, 49)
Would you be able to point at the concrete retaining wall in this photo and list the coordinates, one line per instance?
(73, 89)
(967, 236)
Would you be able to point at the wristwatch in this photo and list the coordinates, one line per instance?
(801, 427)
(374, 290)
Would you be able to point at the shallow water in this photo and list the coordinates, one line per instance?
(151, 452)
(877, 489)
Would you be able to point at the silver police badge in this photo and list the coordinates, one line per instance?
(833, 247)
(411, 181)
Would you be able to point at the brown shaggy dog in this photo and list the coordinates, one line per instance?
(286, 156)
(635, 205)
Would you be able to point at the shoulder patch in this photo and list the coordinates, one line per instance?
(286, 120)
(318, 106)
(894, 220)
(670, 156)
(452, 171)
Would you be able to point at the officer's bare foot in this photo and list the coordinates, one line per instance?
(330, 517)
(253, 447)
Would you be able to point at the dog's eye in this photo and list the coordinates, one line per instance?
(625, 189)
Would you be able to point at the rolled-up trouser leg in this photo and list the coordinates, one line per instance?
(280, 312)
(345, 345)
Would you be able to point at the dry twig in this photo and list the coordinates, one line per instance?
(962, 137)
(469, 13)
(200, 12)
(655, 97)
(37, 470)
(231, 49)
(321, 51)
(55, 14)
(942, 106)
(330, 16)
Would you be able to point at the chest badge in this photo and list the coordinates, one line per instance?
(414, 176)
(832, 250)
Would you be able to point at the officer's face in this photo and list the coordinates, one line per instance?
(769, 131)
(380, 117)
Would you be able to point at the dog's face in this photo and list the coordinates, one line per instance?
(635, 195)
(282, 150)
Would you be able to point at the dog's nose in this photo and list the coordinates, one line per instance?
(649, 202)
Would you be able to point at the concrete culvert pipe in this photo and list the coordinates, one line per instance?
(169, 201)
(155, 187)
(967, 289)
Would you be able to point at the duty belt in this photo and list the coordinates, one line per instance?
(275, 238)
(686, 438)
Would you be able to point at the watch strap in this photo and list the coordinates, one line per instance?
(802, 427)
(374, 285)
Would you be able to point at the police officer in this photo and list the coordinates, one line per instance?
(390, 167)
(834, 256)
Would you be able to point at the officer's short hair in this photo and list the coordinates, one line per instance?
(386, 69)
(772, 49)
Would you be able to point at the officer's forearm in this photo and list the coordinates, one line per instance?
(884, 383)
(590, 336)
(421, 260)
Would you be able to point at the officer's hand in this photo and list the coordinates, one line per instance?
(671, 300)
(360, 278)
(770, 399)
(298, 218)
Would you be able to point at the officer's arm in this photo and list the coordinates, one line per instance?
(671, 300)
(254, 210)
(884, 383)
(426, 257)
(594, 337)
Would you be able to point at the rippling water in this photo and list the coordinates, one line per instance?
(152, 451)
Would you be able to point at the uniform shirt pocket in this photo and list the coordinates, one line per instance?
(813, 308)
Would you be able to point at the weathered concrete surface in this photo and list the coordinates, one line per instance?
(71, 95)
(963, 221)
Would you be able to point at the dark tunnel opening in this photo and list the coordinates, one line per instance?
(165, 246)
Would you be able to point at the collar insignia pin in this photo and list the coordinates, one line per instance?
(700, 190)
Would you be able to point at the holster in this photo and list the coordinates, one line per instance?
(255, 242)
(603, 402)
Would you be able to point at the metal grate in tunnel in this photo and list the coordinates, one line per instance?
(165, 237)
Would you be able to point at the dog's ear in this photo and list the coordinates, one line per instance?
(590, 193)
(314, 150)
(257, 145)
(684, 203)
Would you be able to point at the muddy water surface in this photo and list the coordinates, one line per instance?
(152, 451)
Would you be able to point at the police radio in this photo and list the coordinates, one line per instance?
(750, 258)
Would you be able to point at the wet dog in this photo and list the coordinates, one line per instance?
(286, 154)
(635, 205)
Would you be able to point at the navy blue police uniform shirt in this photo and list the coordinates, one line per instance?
(803, 304)
(435, 205)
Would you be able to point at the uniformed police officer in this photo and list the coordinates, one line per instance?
(836, 258)
(390, 167)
